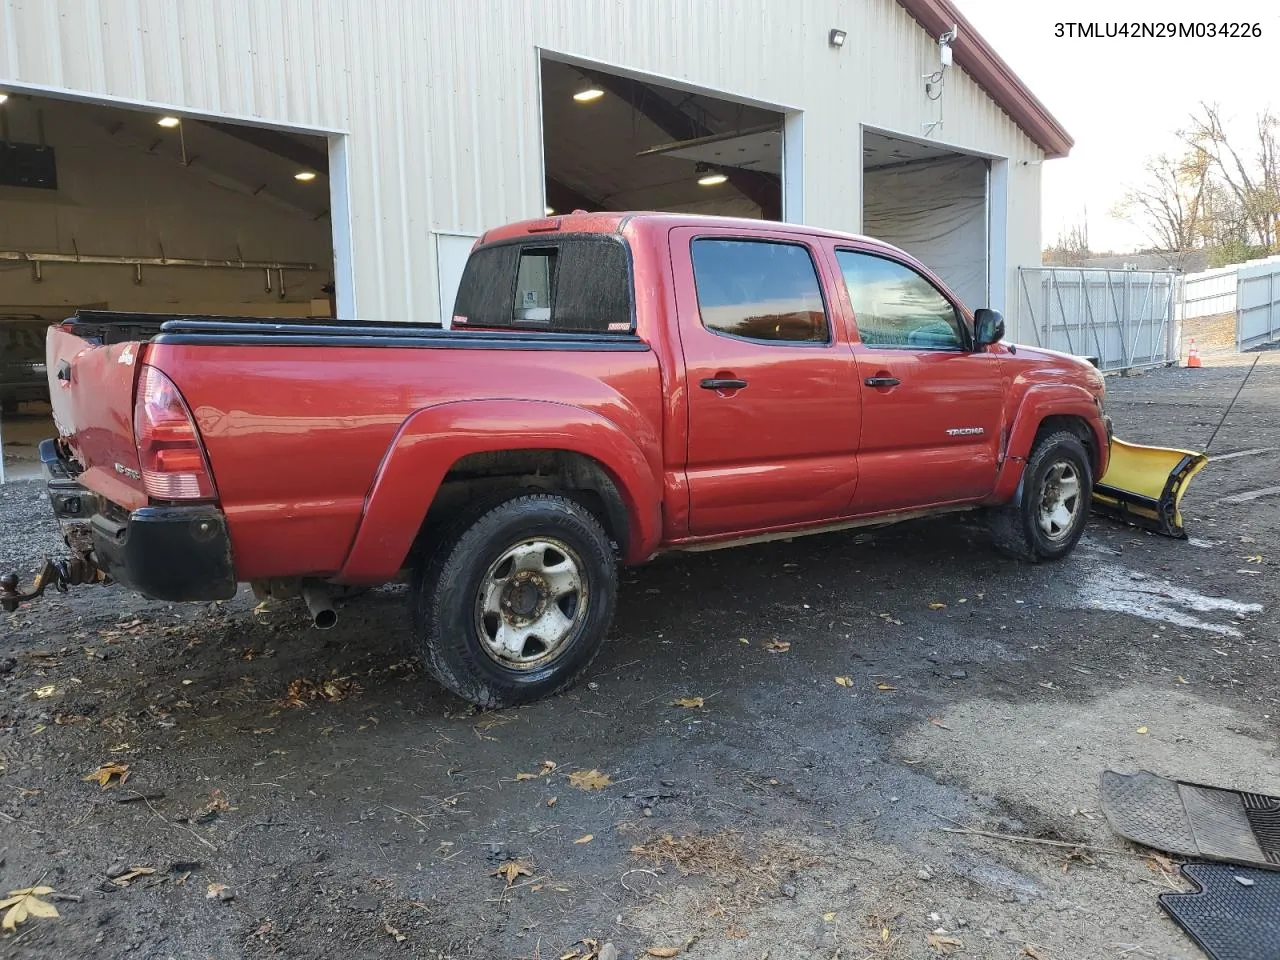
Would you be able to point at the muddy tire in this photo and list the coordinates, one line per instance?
(1046, 518)
(513, 601)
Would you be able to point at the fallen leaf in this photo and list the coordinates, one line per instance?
(589, 780)
(214, 891)
(778, 646)
(19, 905)
(845, 681)
(943, 944)
(585, 838)
(1142, 731)
(937, 722)
(547, 767)
(48, 690)
(1256, 558)
(692, 703)
(1033, 952)
(513, 869)
(889, 618)
(937, 606)
(104, 774)
(551, 801)
(399, 937)
(663, 952)
(134, 872)
(1181, 680)
(735, 933)
(885, 686)
(828, 917)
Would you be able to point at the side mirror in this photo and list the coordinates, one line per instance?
(988, 327)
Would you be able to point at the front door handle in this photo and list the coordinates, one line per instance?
(717, 383)
(882, 381)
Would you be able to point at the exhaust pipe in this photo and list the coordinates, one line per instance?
(319, 604)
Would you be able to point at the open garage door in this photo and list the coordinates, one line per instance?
(931, 202)
(613, 142)
(121, 209)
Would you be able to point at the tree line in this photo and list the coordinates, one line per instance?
(1220, 194)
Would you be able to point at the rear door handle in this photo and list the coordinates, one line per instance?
(715, 383)
(882, 381)
(64, 371)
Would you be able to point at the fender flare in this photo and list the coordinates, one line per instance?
(434, 438)
(1040, 402)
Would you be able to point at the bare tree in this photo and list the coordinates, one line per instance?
(1072, 245)
(1169, 205)
(1253, 182)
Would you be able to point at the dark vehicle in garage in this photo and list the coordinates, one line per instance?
(22, 367)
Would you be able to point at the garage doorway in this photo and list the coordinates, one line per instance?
(614, 142)
(106, 207)
(933, 202)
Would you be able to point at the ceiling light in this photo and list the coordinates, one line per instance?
(548, 211)
(709, 177)
(588, 93)
(3, 97)
(305, 176)
(837, 38)
(168, 121)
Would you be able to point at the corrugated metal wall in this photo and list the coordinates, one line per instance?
(440, 99)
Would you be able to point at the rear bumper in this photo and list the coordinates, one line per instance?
(174, 553)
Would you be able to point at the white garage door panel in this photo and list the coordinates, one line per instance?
(937, 212)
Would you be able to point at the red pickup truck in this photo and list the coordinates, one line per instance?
(613, 386)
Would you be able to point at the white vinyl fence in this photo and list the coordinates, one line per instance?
(1257, 303)
(1125, 318)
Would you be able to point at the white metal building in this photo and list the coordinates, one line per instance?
(426, 122)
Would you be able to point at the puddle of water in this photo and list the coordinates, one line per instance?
(1109, 586)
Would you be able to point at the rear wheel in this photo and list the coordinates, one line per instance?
(1048, 517)
(513, 602)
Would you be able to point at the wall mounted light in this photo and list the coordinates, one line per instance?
(708, 176)
(304, 176)
(169, 122)
(836, 38)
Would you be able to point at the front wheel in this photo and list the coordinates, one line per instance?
(1046, 521)
(512, 605)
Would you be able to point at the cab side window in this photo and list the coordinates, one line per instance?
(759, 290)
(896, 307)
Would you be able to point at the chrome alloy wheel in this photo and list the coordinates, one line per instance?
(1061, 501)
(530, 602)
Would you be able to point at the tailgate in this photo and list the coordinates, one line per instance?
(91, 388)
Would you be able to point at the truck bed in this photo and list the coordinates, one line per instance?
(298, 418)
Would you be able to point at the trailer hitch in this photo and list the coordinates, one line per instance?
(59, 574)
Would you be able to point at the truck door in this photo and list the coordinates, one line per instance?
(773, 402)
(932, 408)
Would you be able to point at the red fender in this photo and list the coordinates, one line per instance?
(1041, 401)
(433, 439)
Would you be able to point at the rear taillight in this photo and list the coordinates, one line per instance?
(169, 451)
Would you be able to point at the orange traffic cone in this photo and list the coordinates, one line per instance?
(1193, 355)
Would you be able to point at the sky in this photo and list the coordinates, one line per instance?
(1122, 99)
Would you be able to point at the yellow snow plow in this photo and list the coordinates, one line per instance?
(1144, 486)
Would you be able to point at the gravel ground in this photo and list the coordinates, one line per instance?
(305, 794)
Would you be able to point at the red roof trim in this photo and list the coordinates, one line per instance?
(982, 63)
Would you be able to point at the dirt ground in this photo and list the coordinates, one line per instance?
(311, 795)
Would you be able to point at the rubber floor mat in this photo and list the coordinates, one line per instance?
(1194, 820)
(1233, 915)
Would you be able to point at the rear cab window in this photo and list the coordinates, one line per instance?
(896, 307)
(568, 284)
(761, 290)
